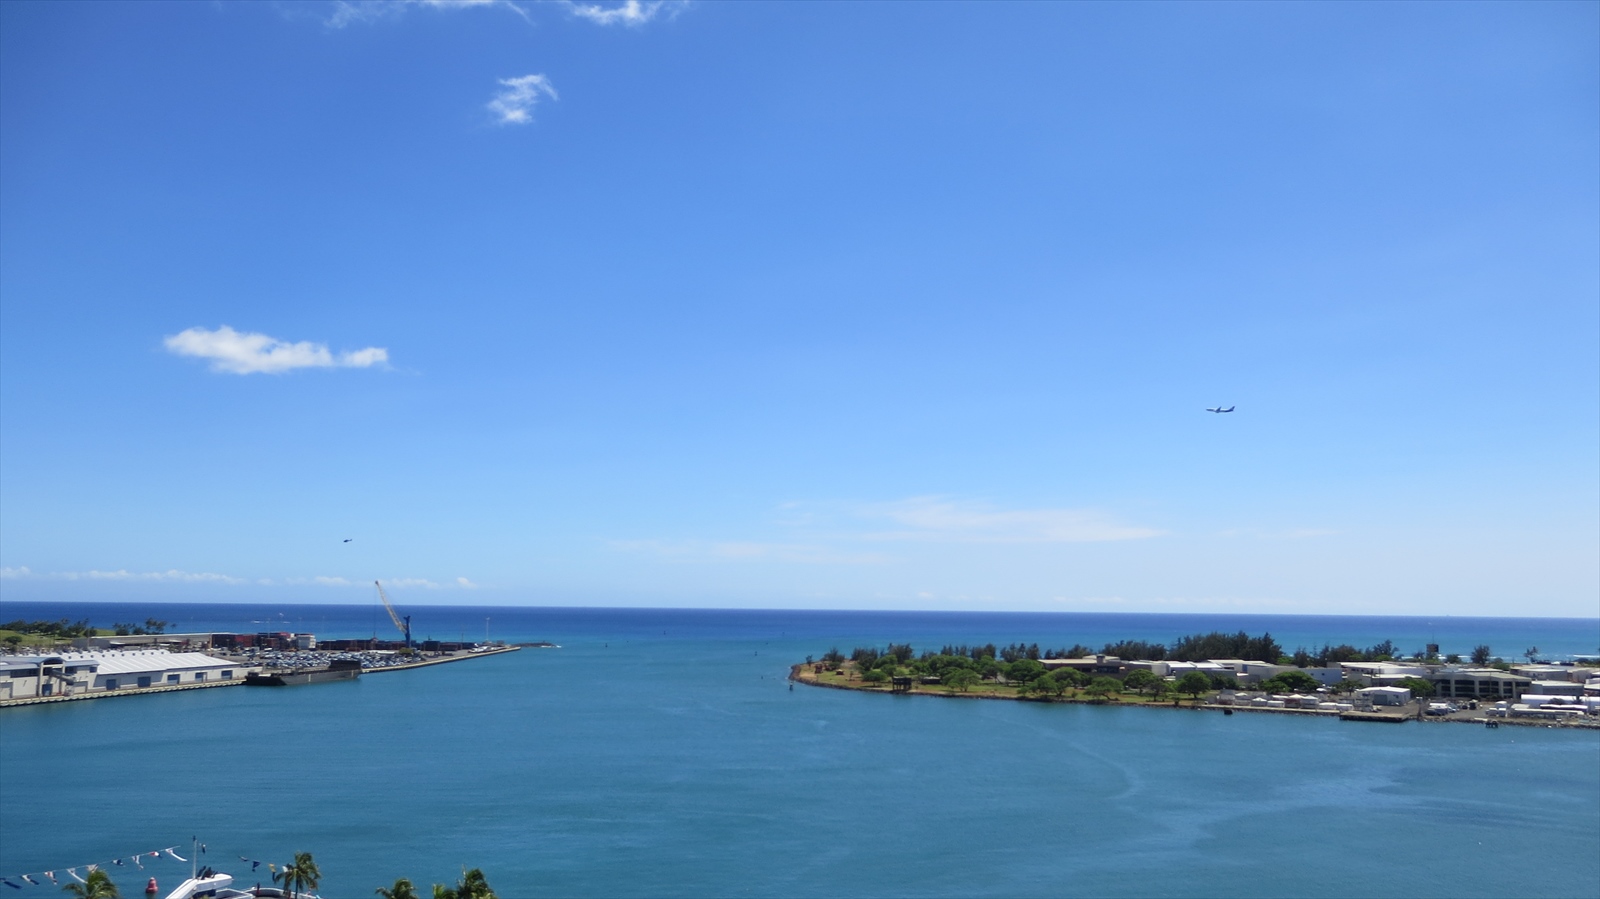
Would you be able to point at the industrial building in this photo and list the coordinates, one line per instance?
(82, 673)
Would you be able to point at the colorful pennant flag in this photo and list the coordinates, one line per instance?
(15, 881)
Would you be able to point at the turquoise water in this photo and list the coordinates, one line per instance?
(632, 762)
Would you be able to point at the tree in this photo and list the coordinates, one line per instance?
(865, 657)
(1133, 649)
(1140, 680)
(1217, 645)
(402, 889)
(1194, 683)
(1070, 677)
(942, 664)
(1224, 682)
(1418, 687)
(97, 885)
(1049, 685)
(1024, 671)
(961, 678)
(1531, 652)
(1480, 655)
(875, 676)
(1290, 682)
(1103, 686)
(472, 885)
(299, 875)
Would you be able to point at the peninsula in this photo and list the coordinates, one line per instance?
(1218, 672)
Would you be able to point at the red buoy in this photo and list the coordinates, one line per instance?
(150, 889)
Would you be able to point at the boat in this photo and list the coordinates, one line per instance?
(209, 884)
(338, 669)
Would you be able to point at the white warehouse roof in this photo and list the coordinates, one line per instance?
(148, 661)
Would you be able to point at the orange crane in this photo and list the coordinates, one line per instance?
(401, 624)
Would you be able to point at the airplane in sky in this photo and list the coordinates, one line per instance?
(1220, 409)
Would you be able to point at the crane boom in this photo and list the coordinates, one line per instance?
(403, 626)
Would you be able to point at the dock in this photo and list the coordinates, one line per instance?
(453, 657)
(1379, 717)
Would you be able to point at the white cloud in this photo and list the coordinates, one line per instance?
(407, 582)
(514, 105)
(836, 536)
(632, 13)
(318, 581)
(351, 12)
(122, 574)
(941, 519)
(204, 577)
(690, 550)
(243, 353)
(628, 13)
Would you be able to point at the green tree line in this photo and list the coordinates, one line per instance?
(63, 628)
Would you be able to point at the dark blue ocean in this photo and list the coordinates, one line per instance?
(661, 753)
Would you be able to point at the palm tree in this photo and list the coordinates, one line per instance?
(97, 886)
(299, 876)
(402, 889)
(472, 885)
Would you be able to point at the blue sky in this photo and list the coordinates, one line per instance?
(803, 305)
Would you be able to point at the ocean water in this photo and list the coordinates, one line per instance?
(661, 753)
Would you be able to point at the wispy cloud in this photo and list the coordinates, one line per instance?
(840, 533)
(318, 581)
(631, 13)
(628, 13)
(405, 583)
(244, 353)
(733, 550)
(171, 574)
(515, 102)
(359, 12)
(936, 518)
